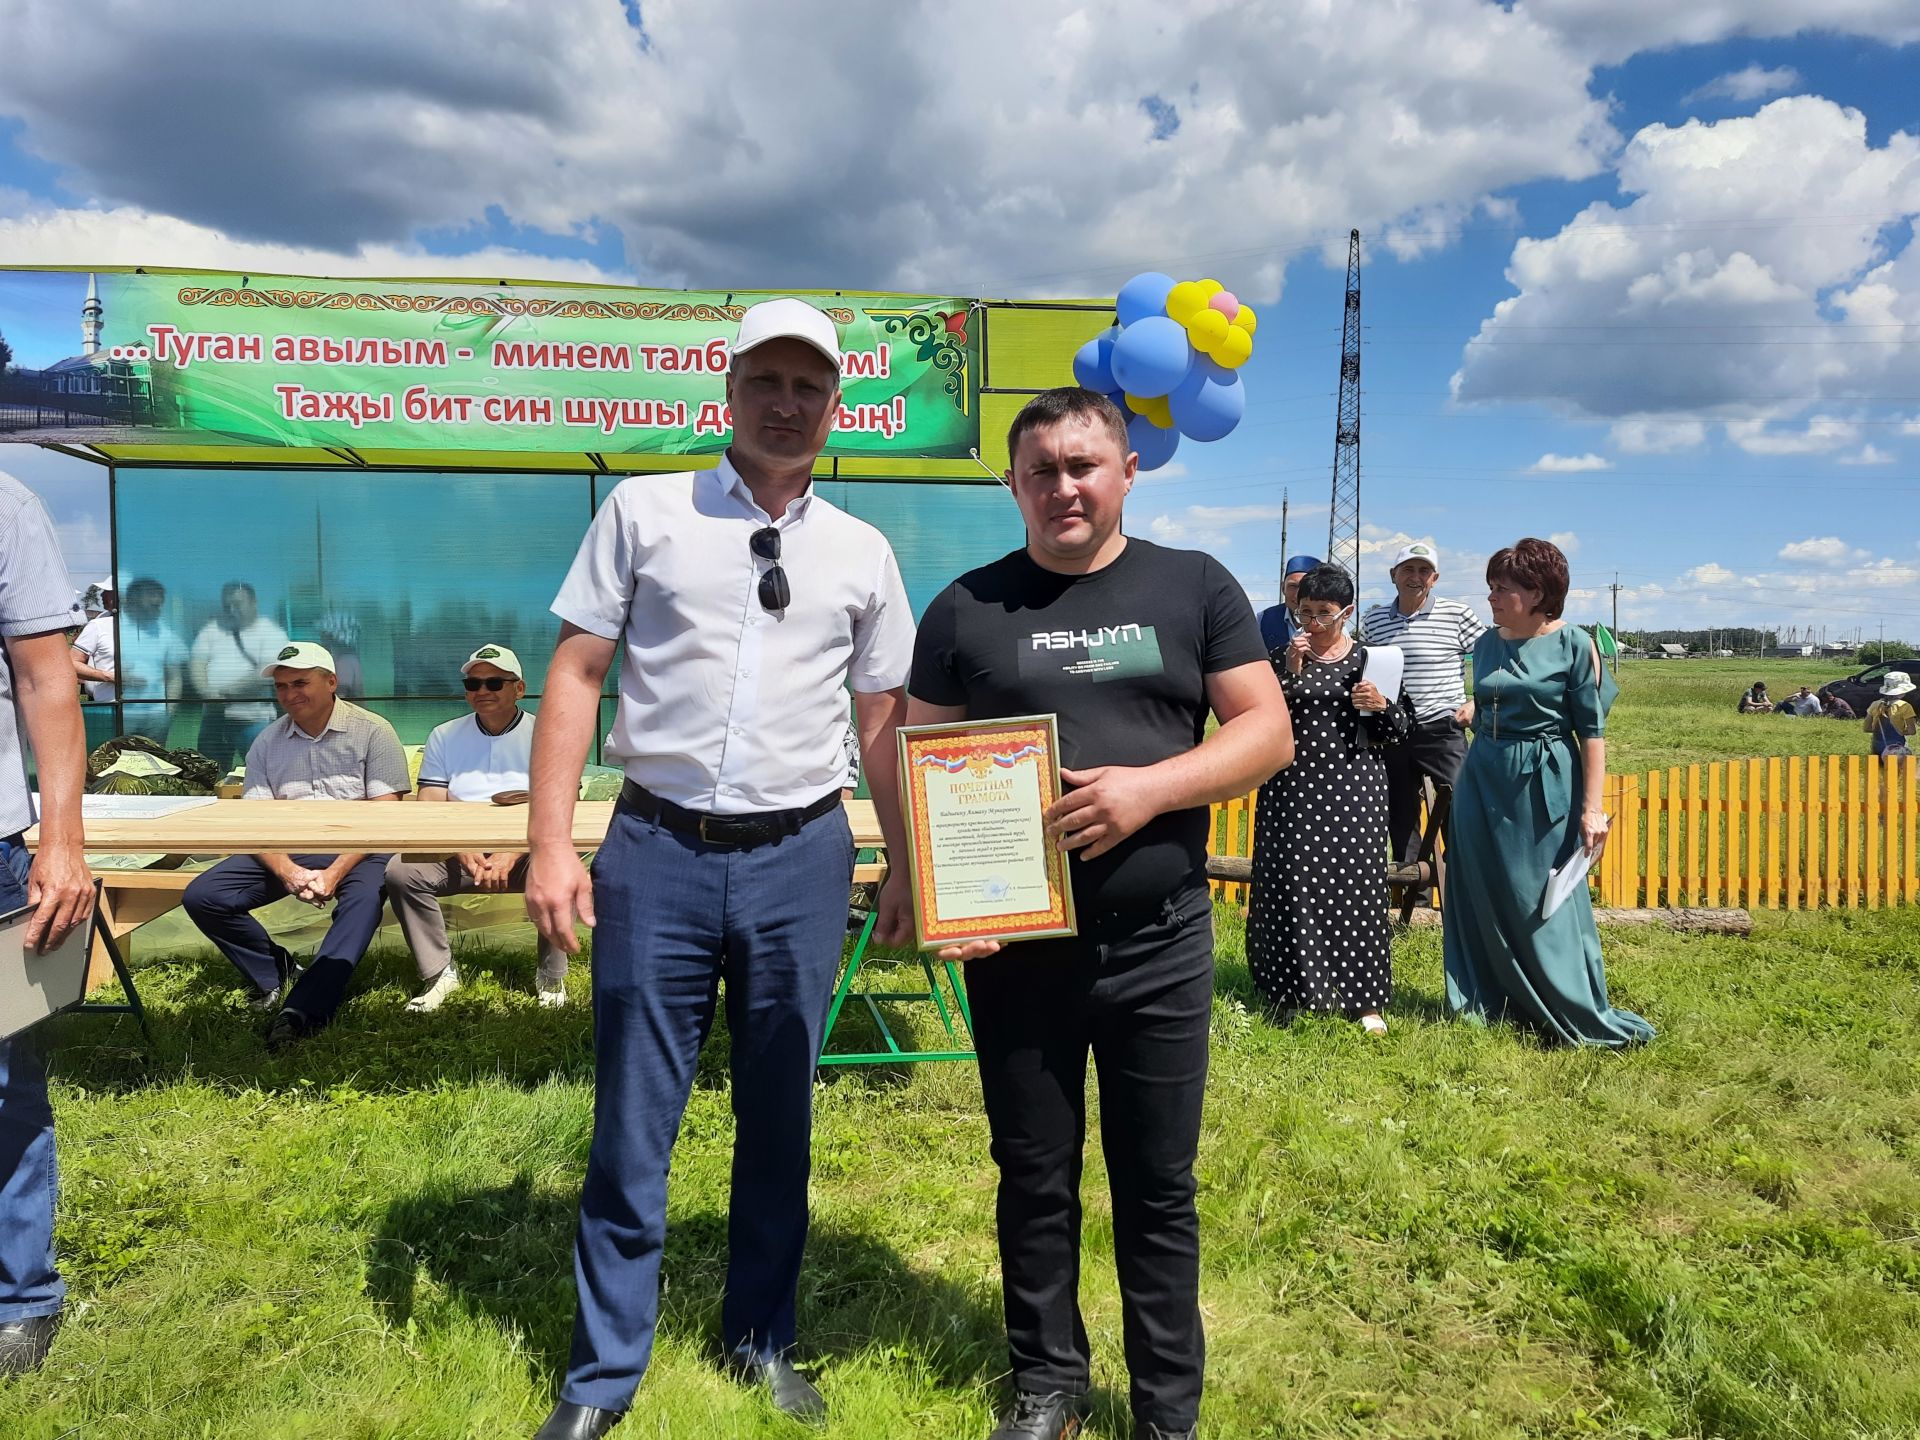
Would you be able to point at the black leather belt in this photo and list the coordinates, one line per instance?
(742, 832)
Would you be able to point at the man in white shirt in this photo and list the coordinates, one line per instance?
(323, 748)
(230, 654)
(1436, 636)
(472, 759)
(742, 605)
(152, 662)
(93, 648)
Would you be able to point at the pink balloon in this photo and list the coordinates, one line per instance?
(1223, 301)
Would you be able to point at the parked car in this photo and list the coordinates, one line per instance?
(1862, 689)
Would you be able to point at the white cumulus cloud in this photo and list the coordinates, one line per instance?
(1551, 464)
(1756, 266)
(1822, 550)
(1756, 82)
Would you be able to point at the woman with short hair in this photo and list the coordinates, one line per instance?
(1317, 924)
(1530, 800)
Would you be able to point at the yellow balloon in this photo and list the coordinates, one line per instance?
(1210, 288)
(1184, 301)
(1234, 348)
(1247, 320)
(1159, 413)
(1137, 404)
(1207, 329)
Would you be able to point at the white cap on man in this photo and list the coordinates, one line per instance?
(1418, 550)
(301, 655)
(788, 319)
(498, 656)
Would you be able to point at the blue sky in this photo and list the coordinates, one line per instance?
(1709, 385)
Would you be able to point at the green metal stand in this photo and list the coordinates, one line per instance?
(960, 1045)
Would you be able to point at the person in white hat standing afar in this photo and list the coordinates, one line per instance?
(1890, 719)
(1438, 637)
(482, 754)
(322, 748)
(743, 606)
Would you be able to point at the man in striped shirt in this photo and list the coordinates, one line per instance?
(1435, 635)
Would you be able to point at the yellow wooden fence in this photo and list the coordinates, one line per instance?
(1783, 833)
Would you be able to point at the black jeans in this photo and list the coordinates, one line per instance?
(1435, 748)
(1137, 993)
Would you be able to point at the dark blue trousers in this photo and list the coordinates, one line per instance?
(675, 915)
(221, 902)
(29, 1283)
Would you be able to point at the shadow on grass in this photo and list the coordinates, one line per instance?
(199, 1026)
(505, 1255)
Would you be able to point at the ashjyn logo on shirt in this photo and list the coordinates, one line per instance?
(1104, 652)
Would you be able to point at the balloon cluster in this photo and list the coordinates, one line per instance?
(1169, 363)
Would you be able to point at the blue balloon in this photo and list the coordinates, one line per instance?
(1119, 398)
(1151, 357)
(1143, 295)
(1093, 362)
(1153, 445)
(1209, 402)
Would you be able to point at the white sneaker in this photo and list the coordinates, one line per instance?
(444, 984)
(552, 999)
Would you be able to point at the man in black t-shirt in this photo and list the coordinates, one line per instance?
(1131, 645)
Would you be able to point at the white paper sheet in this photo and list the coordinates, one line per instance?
(1385, 666)
(138, 807)
(1562, 882)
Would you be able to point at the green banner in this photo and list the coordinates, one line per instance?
(206, 359)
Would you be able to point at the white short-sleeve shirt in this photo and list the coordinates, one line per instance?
(727, 707)
(470, 764)
(95, 641)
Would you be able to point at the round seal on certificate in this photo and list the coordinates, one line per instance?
(995, 887)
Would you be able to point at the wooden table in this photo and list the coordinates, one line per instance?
(130, 898)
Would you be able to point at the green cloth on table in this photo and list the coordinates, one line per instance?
(1516, 814)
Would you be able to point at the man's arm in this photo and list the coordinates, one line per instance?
(84, 671)
(880, 714)
(558, 886)
(1252, 744)
(58, 887)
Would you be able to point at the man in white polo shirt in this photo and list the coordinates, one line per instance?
(742, 605)
(474, 758)
(1437, 636)
(323, 748)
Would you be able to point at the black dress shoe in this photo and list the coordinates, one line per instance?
(24, 1343)
(791, 1392)
(289, 1028)
(578, 1422)
(1053, 1416)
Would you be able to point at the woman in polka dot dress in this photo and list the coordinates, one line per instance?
(1317, 928)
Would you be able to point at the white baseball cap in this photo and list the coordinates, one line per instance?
(301, 655)
(104, 585)
(788, 319)
(1418, 550)
(498, 656)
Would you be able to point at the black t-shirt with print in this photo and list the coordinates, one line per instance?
(1121, 656)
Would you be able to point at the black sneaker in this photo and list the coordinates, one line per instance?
(1154, 1432)
(1053, 1416)
(24, 1343)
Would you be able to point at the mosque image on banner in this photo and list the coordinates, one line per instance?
(101, 390)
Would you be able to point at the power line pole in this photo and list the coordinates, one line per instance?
(1343, 517)
(1615, 588)
(1283, 545)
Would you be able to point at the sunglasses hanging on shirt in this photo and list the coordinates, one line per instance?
(775, 593)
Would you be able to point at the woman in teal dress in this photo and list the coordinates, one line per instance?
(1529, 799)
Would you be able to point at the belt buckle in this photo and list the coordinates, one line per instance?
(705, 838)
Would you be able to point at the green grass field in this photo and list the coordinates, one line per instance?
(1451, 1233)
(1679, 712)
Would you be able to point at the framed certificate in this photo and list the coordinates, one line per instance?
(975, 800)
